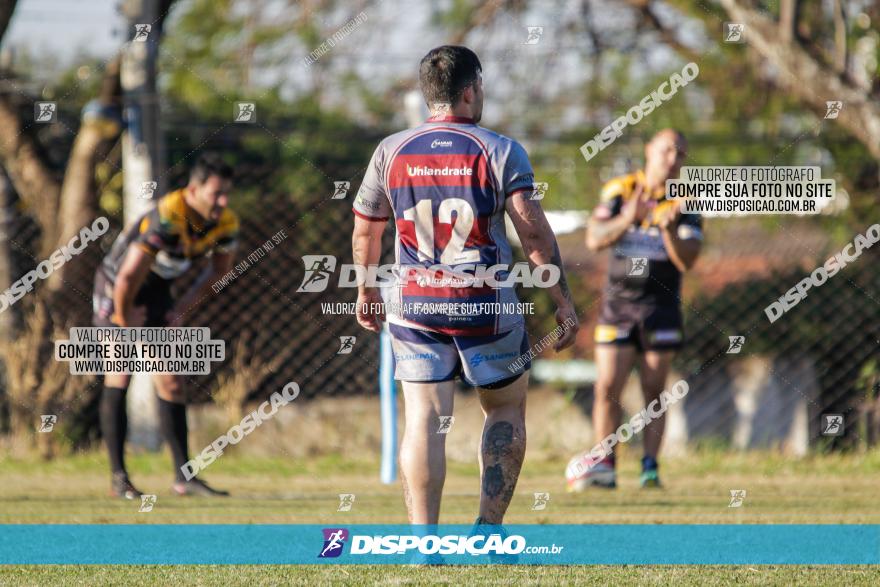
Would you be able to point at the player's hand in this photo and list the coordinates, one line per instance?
(370, 310)
(173, 319)
(638, 206)
(669, 219)
(136, 317)
(567, 318)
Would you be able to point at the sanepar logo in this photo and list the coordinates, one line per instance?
(479, 358)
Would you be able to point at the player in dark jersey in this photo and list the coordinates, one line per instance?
(448, 184)
(640, 320)
(133, 287)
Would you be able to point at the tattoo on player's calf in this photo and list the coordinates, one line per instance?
(498, 439)
(493, 481)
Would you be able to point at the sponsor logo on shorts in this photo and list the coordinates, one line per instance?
(479, 358)
(607, 333)
(417, 357)
(666, 336)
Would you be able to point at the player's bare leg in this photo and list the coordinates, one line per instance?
(503, 446)
(423, 449)
(653, 371)
(614, 364)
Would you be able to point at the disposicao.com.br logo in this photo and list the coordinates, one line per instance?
(334, 541)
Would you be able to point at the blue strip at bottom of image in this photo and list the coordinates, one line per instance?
(733, 544)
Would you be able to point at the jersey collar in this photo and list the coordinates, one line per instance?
(659, 192)
(194, 219)
(450, 118)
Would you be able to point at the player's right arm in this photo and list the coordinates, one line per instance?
(366, 248)
(606, 225)
(372, 211)
(129, 279)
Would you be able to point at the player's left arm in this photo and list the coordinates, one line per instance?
(220, 265)
(683, 237)
(221, 259)
(536, 236)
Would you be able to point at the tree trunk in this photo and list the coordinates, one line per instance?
(810, 81)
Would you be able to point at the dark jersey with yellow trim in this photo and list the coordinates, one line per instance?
(174, 236)
(640, 269)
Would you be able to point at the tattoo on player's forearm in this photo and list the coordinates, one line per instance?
(556, 259)
(531, 210)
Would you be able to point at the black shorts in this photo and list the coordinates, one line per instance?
(648, 326)
(155, 294)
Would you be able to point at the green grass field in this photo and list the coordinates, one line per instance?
(818, 489)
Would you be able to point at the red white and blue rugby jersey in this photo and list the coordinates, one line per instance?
(445, 183)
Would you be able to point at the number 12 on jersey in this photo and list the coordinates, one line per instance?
(454, 253)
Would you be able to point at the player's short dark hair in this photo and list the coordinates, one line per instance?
(209, 164)
(446, 71)
(678, 134)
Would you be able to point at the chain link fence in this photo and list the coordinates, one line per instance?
(825, 350)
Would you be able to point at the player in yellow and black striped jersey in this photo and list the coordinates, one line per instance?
(133, 287)
(652, 243)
